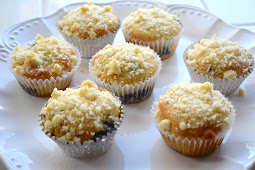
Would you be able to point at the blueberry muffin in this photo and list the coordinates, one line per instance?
(44, 64)
(89, 27)
(222, 62)
(155, 28)
(193, 119)
(87, 117)
(127, 70)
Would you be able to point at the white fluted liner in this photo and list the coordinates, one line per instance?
(45, 87)
(194, 146)
(87, 149)
(164, 46)
(88, 47)
(225, 86)
(129, 88)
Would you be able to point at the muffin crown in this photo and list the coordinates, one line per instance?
(124, 64)
(152, 24)
(219, 58)
(77, 114)
(193, 106)
(89, 21)
(44, 58)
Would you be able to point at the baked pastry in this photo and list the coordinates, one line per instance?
(89, 28)
(127, 70)
(82, 121)
(44, 64)
(155, 28)
(193, 119)
(221, 62)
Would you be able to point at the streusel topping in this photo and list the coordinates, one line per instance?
(89, 20)
(153, 22)
(44, 58)
(79, 111)
(124, 64)
(217, 56)
(193, 105)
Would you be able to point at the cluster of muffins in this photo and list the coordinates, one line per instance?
(193, 118)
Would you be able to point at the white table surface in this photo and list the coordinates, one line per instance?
(236, 12)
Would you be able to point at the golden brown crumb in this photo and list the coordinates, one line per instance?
(163, 64)
(80, 70)
(241, 92)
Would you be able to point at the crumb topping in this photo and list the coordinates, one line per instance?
(77, 114)
(89, 20)
(153, 22)
(219, 57)
(44, 58)
(124, 64)
(191, 106)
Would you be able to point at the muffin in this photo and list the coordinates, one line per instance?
(82, 121)
(193, 119)
(127, 70)
(155, 28)
(221, 62)
(44, 64)
(89, 28)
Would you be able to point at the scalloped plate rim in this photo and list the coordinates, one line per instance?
(59, 11)
(7, 163)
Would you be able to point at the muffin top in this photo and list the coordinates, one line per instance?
(151, 24)
(44, 58)
(124, 64)
(193, 110)
(219, 58)
(89, 21)
(79, 114)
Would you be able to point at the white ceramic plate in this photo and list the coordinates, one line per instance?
(138, 144)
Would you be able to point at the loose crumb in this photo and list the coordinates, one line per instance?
(80, 70)
(241, 92)
(163, 64)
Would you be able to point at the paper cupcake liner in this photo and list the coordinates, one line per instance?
(194, 146)
(164, 47)
(45, 87)
(129, 93)
(88, 47)
(225, 86)
(87, 149)
(136, 96)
